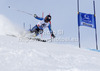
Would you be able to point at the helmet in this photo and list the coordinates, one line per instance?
(48, 18)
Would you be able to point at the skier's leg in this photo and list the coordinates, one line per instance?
(36, 30)
(40, 31)
(33, 29)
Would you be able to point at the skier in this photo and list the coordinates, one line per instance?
(44, 22)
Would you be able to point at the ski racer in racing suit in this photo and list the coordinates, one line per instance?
(44, 22)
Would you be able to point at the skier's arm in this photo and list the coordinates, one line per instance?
(39, 18)
(51, 32)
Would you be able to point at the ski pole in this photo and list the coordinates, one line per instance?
(20, 11)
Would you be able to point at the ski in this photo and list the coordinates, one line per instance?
(38, 39)
(29, 38)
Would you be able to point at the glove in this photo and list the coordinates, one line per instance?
(35, 15)
(53, 35)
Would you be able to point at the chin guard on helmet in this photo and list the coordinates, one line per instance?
(48, 18)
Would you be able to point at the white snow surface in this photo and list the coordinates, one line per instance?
(17, 54)
(28, 55)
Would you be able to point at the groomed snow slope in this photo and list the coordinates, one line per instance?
(17, 54)
(27, 55)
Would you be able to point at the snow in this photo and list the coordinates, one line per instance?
(28, 55)
(7, 27)
(20, 54)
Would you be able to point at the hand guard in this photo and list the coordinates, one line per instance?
(35, 15)
(53, 35)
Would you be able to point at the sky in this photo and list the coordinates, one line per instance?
(64, 17)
